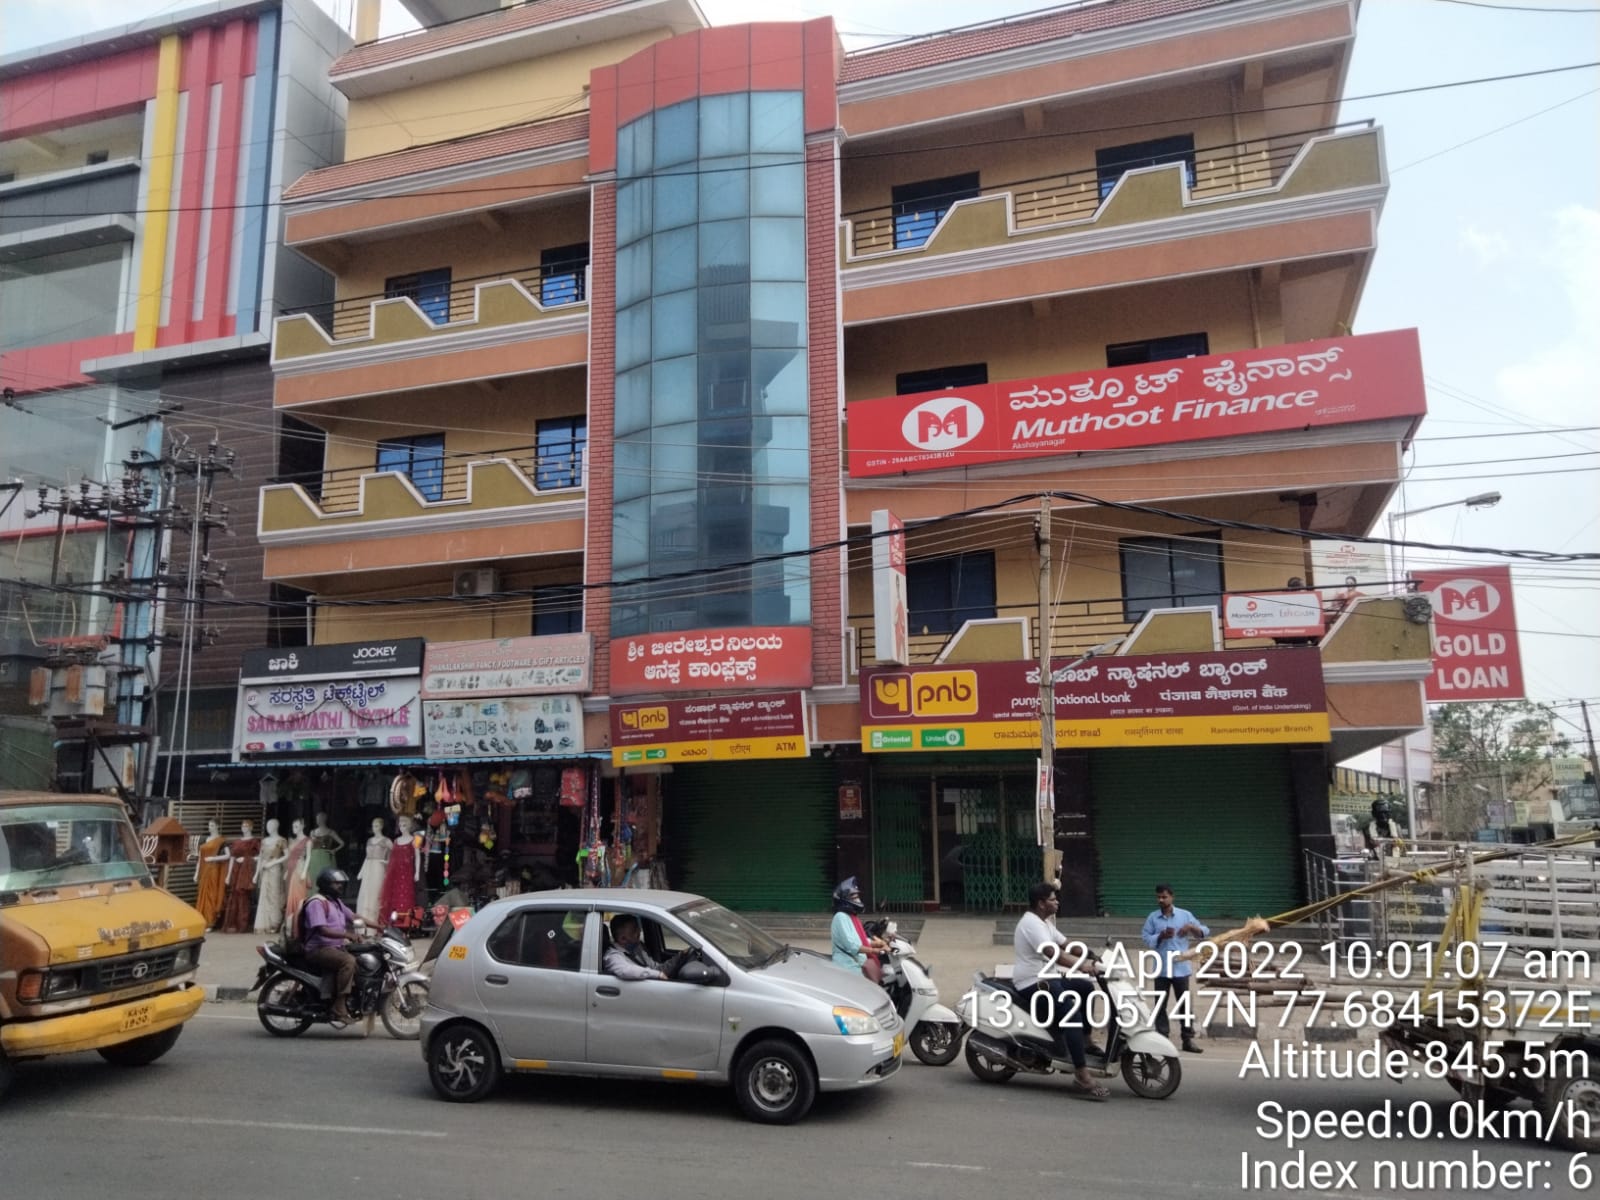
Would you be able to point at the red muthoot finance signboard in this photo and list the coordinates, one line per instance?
(1369, 377)
(1476, 655)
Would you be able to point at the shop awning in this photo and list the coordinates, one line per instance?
(413, 762)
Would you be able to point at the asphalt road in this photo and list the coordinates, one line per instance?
(234, 1113)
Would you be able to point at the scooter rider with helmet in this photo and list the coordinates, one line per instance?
(327, 924)
(852, 948)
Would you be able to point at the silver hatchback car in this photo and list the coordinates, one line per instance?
(685, 990)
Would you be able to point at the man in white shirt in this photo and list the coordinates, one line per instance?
(628, 959)
(1046, 962)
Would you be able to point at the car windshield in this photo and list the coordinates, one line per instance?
(745, 944)
(46, 845)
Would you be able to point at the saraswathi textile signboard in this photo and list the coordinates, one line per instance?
(708, 660)
(353, 696)
(1368, 377)
(716, 728)
(1221, 698)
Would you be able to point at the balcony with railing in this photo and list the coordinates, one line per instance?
(1211, 180)
(431, 313)
(428, 494)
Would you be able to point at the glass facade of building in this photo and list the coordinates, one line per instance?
(712, 445)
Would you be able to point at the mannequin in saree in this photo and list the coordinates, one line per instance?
(369, 903)
(243, 853)
(211, 872)
(269, 880)
(402, 873)
(296, 885)
(323, 851)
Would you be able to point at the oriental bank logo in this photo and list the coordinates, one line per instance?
(924, 694)
(943, 423)
(1465, 599)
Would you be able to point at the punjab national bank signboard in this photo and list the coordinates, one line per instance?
(713, 729)
(1368, 377)
(1476, 655)
(706, 660)
(1222, 698)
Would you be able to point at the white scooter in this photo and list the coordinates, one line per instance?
(1010, 1035)
(935, 1031)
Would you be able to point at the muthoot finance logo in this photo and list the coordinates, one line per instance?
(1465, 599)
(925, 694)
(943, 423)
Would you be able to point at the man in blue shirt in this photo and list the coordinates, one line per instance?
(1169, 932)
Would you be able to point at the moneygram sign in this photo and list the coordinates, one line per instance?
(1370, 377)
(1476, 655)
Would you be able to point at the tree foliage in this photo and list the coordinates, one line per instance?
(1491, 751)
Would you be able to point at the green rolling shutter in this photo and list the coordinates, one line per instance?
(756, 837)
(1216, 822)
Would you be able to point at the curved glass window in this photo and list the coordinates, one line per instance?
(713, 453)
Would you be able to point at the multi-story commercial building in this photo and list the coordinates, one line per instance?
(638, 323)
(141, 267)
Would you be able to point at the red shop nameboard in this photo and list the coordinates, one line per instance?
(711, 660)
(1476, 655)
(1368, 377)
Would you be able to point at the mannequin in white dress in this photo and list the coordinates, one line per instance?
(269, 880)
(369, 904)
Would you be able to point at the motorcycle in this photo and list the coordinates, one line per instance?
(295, 996)
(1008, 1034)
(935, 1031)
(402, 1015)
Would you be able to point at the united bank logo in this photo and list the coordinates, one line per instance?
(943, 423)
(1465, 599)
(924, 694)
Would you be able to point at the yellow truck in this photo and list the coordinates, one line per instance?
(93, 955)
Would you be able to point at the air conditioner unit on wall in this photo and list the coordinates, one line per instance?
(476, 581)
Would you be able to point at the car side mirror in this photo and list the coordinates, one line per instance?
(701, 973)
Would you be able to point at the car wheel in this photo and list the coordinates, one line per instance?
(402, 1011)
(936, 1042)
(1153, 1076)
(463, 1063)
(1572, 1107)
(987, 1069)
(774, 1083)
(280, 996)
(143, 1051)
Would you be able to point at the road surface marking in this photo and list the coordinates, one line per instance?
(292, 1126)
(939, 1166)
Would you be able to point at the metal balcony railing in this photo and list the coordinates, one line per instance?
(550, 469)
(1075, 626)
(552, 285)
(1210, 171)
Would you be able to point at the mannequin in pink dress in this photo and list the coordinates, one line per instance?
(401, 876)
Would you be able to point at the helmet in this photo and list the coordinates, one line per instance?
(1381, 809)
(847, 897)
(331, 881)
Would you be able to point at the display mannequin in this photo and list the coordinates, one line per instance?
(294, 870)
(325, 844)
(269, 880)
(369, 904)
(242, 856)
(212, 875)
(401, 875)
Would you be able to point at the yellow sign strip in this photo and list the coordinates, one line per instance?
(1129, 731)
(721, 750)
(158, 214)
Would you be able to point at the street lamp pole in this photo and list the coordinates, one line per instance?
(1397, 564)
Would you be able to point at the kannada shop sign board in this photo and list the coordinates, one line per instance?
(1272, 614)
(708, 660)
(506, 727)
(352, 696)
(1222, 698)
(1476, 655)
(508, 667)
(891, 631)
(713, 729)
(1367, 377)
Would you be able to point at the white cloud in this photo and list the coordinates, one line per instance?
(1488, 246)
(1558, 382)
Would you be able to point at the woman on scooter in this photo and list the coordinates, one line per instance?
(1039, 968)
(852, 948)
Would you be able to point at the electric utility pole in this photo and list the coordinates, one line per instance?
(1047, 693)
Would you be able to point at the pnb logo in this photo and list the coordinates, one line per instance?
(1465, 599)
(925, 694)
(644, 718)
(942, 424)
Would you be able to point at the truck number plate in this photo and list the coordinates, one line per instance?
(136, 1017)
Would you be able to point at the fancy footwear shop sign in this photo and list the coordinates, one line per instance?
(1367, 377)
(714, 729)
(709, 660)
(1209, 699)
(506, 727)
(558, 663)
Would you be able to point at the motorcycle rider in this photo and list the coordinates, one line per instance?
(1038, 969)
(328, 924)
(852, 948)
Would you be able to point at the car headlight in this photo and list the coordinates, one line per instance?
(183, 960)
(61, 983)
(854, 1021)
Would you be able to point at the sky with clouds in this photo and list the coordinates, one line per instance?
(1489, 244)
